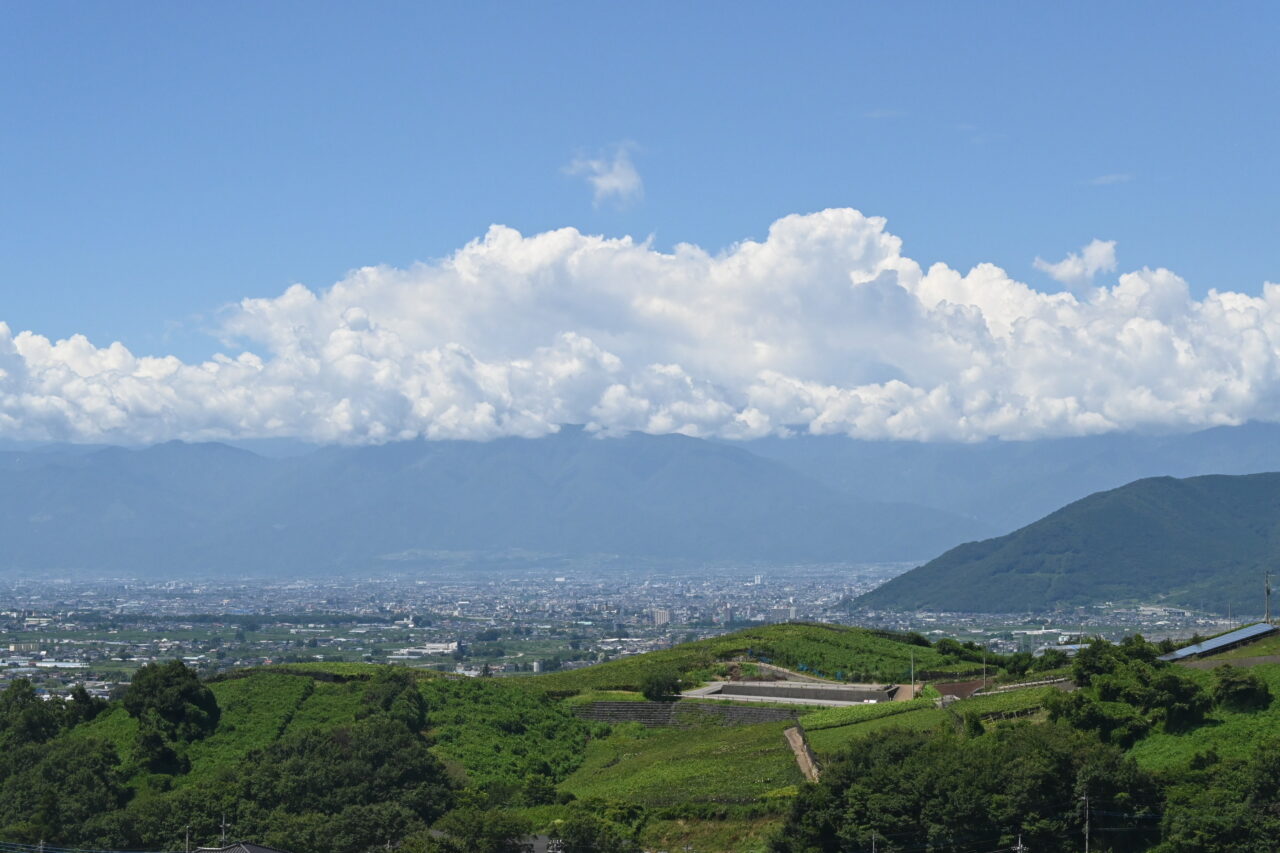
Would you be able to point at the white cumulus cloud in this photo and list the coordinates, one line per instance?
(1078, 270)
(613, 177)
(825, 326)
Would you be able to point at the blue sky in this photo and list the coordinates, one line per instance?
(162, 161)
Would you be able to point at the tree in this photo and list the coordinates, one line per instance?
(173, 708)
(943, 791)
(1238, 690)
(82, 708)
(658, 686)
(1051, 659)
(1018, 663)
(58, 790)
(25, 718)
(475, 830)
(393, 691)
(583, 832)
(1182, 701)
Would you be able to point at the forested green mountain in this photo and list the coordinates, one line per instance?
(1201, 542)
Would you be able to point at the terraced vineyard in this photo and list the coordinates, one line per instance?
(831, 651)
(666, 767)
(832, 731)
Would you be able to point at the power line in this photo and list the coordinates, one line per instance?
(15, 847)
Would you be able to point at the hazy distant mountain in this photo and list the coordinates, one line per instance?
(178, 508)
(1202, 542)
(1008, 484)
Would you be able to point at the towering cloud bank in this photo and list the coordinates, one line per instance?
(823, 327)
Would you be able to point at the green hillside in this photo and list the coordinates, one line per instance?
(355, 758)
(1200, 542)
(836, 652)
(344, 758)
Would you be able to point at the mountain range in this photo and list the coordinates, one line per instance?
(282, 508)
(176, 508)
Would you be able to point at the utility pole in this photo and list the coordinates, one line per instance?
(224, 829)
(187, 845)
(1267, 584)
(1020, 848)
(1086, 822)
(913, 690)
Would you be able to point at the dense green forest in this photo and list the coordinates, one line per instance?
(1200, 542)
(353, 758)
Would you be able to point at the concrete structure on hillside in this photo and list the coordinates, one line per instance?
(794, 692)
(1223, 642)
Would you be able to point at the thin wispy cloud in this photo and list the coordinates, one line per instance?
(1108, 180)
(612, 179)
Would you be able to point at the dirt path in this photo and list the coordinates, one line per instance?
(804, 755)
(961, 689)
(907, 692)
(789, 674)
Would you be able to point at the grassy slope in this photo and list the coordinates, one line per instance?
(491, 729)
(922, 717)
(710, 764)
(488, 726)
(1229, 734)
(828, 649)
(747, 835)
(255, 712)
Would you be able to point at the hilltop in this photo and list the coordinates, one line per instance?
(1200, 542)
(837, 652)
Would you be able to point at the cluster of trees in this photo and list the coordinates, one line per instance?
(965, 785)
(1125, 692)
(173, 709)
(51, 785)
(27, 718)
(346, 788)
(908, 790)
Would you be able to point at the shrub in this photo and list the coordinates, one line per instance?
(1238, 690)
(660, 686)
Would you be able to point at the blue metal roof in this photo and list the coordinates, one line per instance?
(1238, 636)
